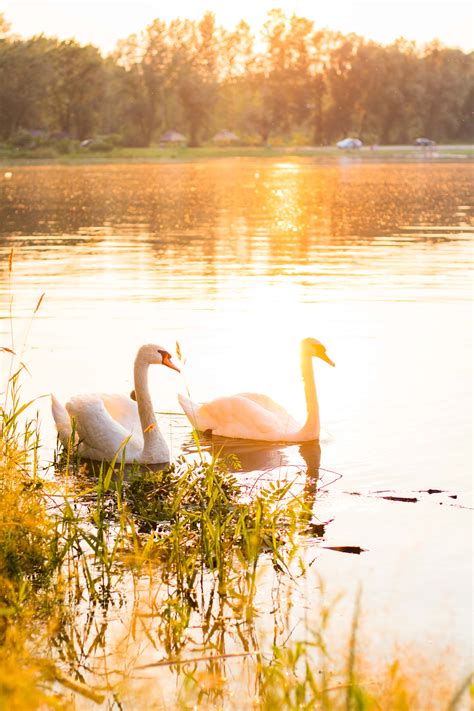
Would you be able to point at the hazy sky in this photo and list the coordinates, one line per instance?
(103, 22)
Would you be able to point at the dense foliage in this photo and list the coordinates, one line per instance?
(294, 84)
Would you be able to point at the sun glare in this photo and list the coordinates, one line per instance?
(104, 22)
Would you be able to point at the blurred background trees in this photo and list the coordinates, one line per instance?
(294, 83)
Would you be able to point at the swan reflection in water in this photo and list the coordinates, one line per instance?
(260, 463)
(265, 462)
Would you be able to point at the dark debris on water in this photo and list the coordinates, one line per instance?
(389, 495)
(356, 550)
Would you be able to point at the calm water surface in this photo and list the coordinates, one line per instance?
(238, 260)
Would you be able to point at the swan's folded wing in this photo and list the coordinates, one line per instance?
(242, 417)
(194, 413)
(123, 410)
(102, 436)
(268, 404)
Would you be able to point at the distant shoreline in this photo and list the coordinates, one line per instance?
(330, 155)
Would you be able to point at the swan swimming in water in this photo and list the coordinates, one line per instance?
(107, 423)
(258, 417)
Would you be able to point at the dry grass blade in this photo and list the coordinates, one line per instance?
(25, 367)
(193, 660)
(458, 696)
(10, 261)
(76, 686)
(39, 301)
(179, 353)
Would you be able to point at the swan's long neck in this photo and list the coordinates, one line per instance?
(311, 427)
(153, 441)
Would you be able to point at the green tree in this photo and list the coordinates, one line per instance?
(340, 113)
(318, 84)
(197, 65)
(148, 62)
(386, 83)
(447, 76)
(26, 75)
(196, 77)
(299, 70)
(270, 79)
(77, 88)
(236, 58)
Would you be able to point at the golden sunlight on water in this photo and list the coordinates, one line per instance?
(238, 260)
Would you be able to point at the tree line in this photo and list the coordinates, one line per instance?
(293, 83)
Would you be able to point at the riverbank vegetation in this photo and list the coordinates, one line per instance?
(47, 155)
(119, 585)
(294, 84)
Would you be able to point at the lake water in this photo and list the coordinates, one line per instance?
(240, 259)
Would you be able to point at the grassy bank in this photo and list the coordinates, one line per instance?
(48, 155)
(125, 588)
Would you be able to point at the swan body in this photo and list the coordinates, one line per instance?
(258, 417)
(107, 424)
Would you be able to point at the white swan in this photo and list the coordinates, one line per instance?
(105, 424)
(258, 417)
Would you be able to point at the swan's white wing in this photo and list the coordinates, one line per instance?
(268, 404)
(240, 417)
(195, 414)
(101, 435)
(124, 410)
(62, 420)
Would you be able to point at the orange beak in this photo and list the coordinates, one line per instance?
(326, 359)
(168, 362)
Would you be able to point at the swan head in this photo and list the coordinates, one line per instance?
(314, 348)
(151, 354)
